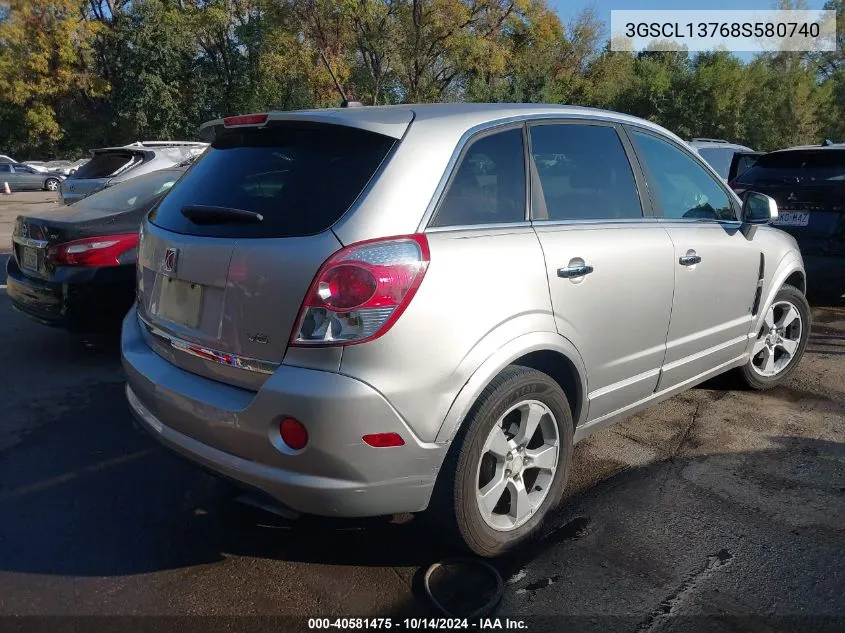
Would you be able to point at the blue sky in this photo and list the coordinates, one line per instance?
(567, 9)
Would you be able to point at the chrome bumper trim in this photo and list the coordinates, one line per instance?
(206, 353)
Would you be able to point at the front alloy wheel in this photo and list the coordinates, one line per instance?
(780, 342)
(52, 184)
(778, 339)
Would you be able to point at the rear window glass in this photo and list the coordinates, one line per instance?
(131, 193)
(105, 164)
(719, 159)
(802, 167)
(300, 179)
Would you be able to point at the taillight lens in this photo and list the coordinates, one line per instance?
(361, 290)
(244, 120)
(106, 250)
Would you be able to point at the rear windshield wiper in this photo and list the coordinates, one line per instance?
(204, 214)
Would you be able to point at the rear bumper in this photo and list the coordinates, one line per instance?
(87, 301)
(234, 432)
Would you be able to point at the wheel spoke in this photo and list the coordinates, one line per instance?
(531, 415)
(769, 319)
(520, 503)
(788, 317)
(759, 344)
(768, 361)
(490, 494)
(789, 346)
(544, 458)
(497, 443)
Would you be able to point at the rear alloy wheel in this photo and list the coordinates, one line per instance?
(517, 466)
(781, 340)
(508, 465)
(51, 184)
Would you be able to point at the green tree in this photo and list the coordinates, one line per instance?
(46, 60)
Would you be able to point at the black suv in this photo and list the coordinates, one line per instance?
(808, 184)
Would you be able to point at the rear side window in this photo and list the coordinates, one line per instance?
(131, 193)
(489, 185)
(106, 164)
(807, 167)
(584, 174)
(683, 189)
(719, 158)
(301, 179)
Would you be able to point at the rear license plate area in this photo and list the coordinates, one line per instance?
(29, 258)
(792, 218)
(178, 301)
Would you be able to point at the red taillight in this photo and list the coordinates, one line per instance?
(245, 119)
(384, 440)
(104, 250)
(293, 433)
(361, 290)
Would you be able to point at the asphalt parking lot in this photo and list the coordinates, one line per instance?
(719, 503)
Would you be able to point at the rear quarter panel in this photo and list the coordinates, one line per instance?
(482, 289)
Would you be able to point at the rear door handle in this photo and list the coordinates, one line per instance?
(574, 271)
(689, 260)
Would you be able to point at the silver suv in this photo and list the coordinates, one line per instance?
(111, 165)
(380, 310)
(718, 153)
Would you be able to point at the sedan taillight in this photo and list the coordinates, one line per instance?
(105, 250)
(361, 290)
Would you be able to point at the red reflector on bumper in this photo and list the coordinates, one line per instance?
(293, 433)
(383, 440)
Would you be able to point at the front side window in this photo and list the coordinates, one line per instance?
(681, 187)
(489, 185)
(5, 168)
(584, 174)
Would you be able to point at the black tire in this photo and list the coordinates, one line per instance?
(454, 508)
(52, 181)
(754, 380)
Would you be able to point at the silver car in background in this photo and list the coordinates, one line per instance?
(380, 310)
(111, 165)
(718, 153)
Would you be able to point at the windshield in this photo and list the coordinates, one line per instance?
(131, 193)
(798, 167)
(301, 179)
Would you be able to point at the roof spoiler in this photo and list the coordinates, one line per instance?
(167, 144)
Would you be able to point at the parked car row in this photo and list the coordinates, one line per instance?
(22, 177)
(369, 311)
(63, 167)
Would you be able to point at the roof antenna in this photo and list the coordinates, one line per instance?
(345, 103)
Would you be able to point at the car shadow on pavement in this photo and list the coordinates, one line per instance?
(89, 495)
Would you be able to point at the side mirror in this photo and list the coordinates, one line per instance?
(758, 208)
